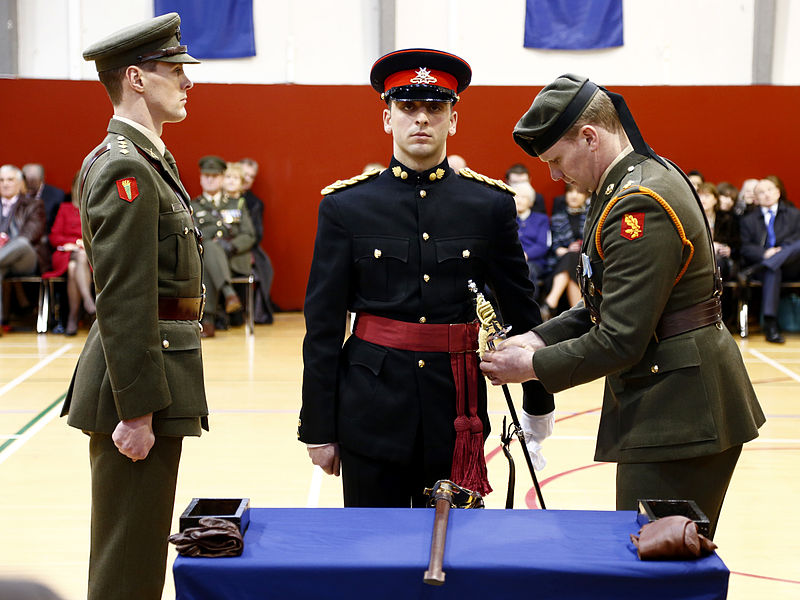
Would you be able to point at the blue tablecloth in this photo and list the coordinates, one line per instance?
(297, 553)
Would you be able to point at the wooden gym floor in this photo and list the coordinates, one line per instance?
(253, 386)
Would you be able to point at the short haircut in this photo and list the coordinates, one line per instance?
(15, 170)
(600, 111)
(112, 79)
(249, 162)
(778, 184)
(517, 168)
(708, 188)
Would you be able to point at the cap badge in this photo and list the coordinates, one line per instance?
(423, 76)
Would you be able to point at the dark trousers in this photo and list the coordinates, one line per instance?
(132, 506)
(703, 479)
(783, 265)
(368, 482)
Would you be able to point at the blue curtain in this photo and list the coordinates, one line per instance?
(573, 24)
(214, 28)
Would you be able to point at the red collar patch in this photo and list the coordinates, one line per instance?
(632, 226)
(127, 188)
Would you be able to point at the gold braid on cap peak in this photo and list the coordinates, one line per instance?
(343, 183)
(470, 174)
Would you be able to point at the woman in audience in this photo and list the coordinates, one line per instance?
(534, 231)
(567, 236)
(746, 200)
(724, 227)
(69, 257)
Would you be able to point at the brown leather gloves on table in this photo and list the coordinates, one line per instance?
(214, 538)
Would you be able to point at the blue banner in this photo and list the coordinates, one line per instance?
(214, 28)
(573, 24)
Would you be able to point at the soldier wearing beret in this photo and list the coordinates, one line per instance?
(678, 403)
(138, 386)
(401, 404)
(228, 234)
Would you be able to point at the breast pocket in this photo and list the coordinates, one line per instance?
(457, 261)
(381, 265)
(178, 257)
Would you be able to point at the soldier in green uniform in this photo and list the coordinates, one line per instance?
(229, 236)
(138, 385)
(678, 403)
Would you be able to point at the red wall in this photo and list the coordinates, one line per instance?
(305, 137)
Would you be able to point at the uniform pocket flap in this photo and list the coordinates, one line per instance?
(668, 355)
(380, 247)
(368, 355)
(459, 248)
(179, 335)
(178, 223)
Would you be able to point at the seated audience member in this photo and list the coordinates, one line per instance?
(567, 236)
(262, 265)
(771, 248)
(696, 177)
(724, 229)
(518, 173)
(69, 257)
(534, 231)
(51, 196)
(456, 162)
(745, 202)
(22, 229)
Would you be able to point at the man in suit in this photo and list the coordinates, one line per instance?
(22, 227)
(678, 404)
(401, 405)
(771, 248)
(51, 196)
(138, 385)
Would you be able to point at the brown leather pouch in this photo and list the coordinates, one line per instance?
(671, 538)
(214, 537)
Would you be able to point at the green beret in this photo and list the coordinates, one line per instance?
(212, 164)
(553, 112)
(154, 39)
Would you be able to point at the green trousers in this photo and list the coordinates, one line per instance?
(703, 479)
(132, 505)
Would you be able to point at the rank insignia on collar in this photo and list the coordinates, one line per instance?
(609, 189)
(632, 226)
(423, 76)
(127, 189)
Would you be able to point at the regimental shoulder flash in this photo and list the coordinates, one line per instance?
(343, 183)
(470, 174)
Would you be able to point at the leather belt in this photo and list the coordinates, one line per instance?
(417, 337)
(179, 309)
(687, 319)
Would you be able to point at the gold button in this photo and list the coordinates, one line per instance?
(403, 175)
(219, 223)
(465, 254)
(421, 363)
(425, 236)
(422, 319)
(630, 168)
(432, 176)
(165, 343)
(719, 325)
(185, 230)
(422, 193)
(377, 253)
(426, 277)
(219, 234)
(654, 369)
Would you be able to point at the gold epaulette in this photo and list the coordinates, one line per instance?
(343, 183)
(470, 174)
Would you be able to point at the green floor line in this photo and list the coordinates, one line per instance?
(32, 422)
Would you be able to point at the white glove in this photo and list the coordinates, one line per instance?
(537, 428)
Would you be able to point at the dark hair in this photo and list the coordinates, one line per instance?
(112, 79)
(778, 184)
(725, 188)
(517, 168)
(698, 173)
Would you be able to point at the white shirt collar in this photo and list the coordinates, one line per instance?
(150, 135)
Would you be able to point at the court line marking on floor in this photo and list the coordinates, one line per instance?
(37, 367)
(31, 428)
(775, 364)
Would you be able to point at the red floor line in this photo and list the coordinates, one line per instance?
(532, 501)
(765, 577)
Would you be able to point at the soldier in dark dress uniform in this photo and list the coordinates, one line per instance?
(678, 403)
(401, 404)
(138, 386)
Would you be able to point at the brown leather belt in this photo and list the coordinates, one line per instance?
(687, 319)
(179, 309)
